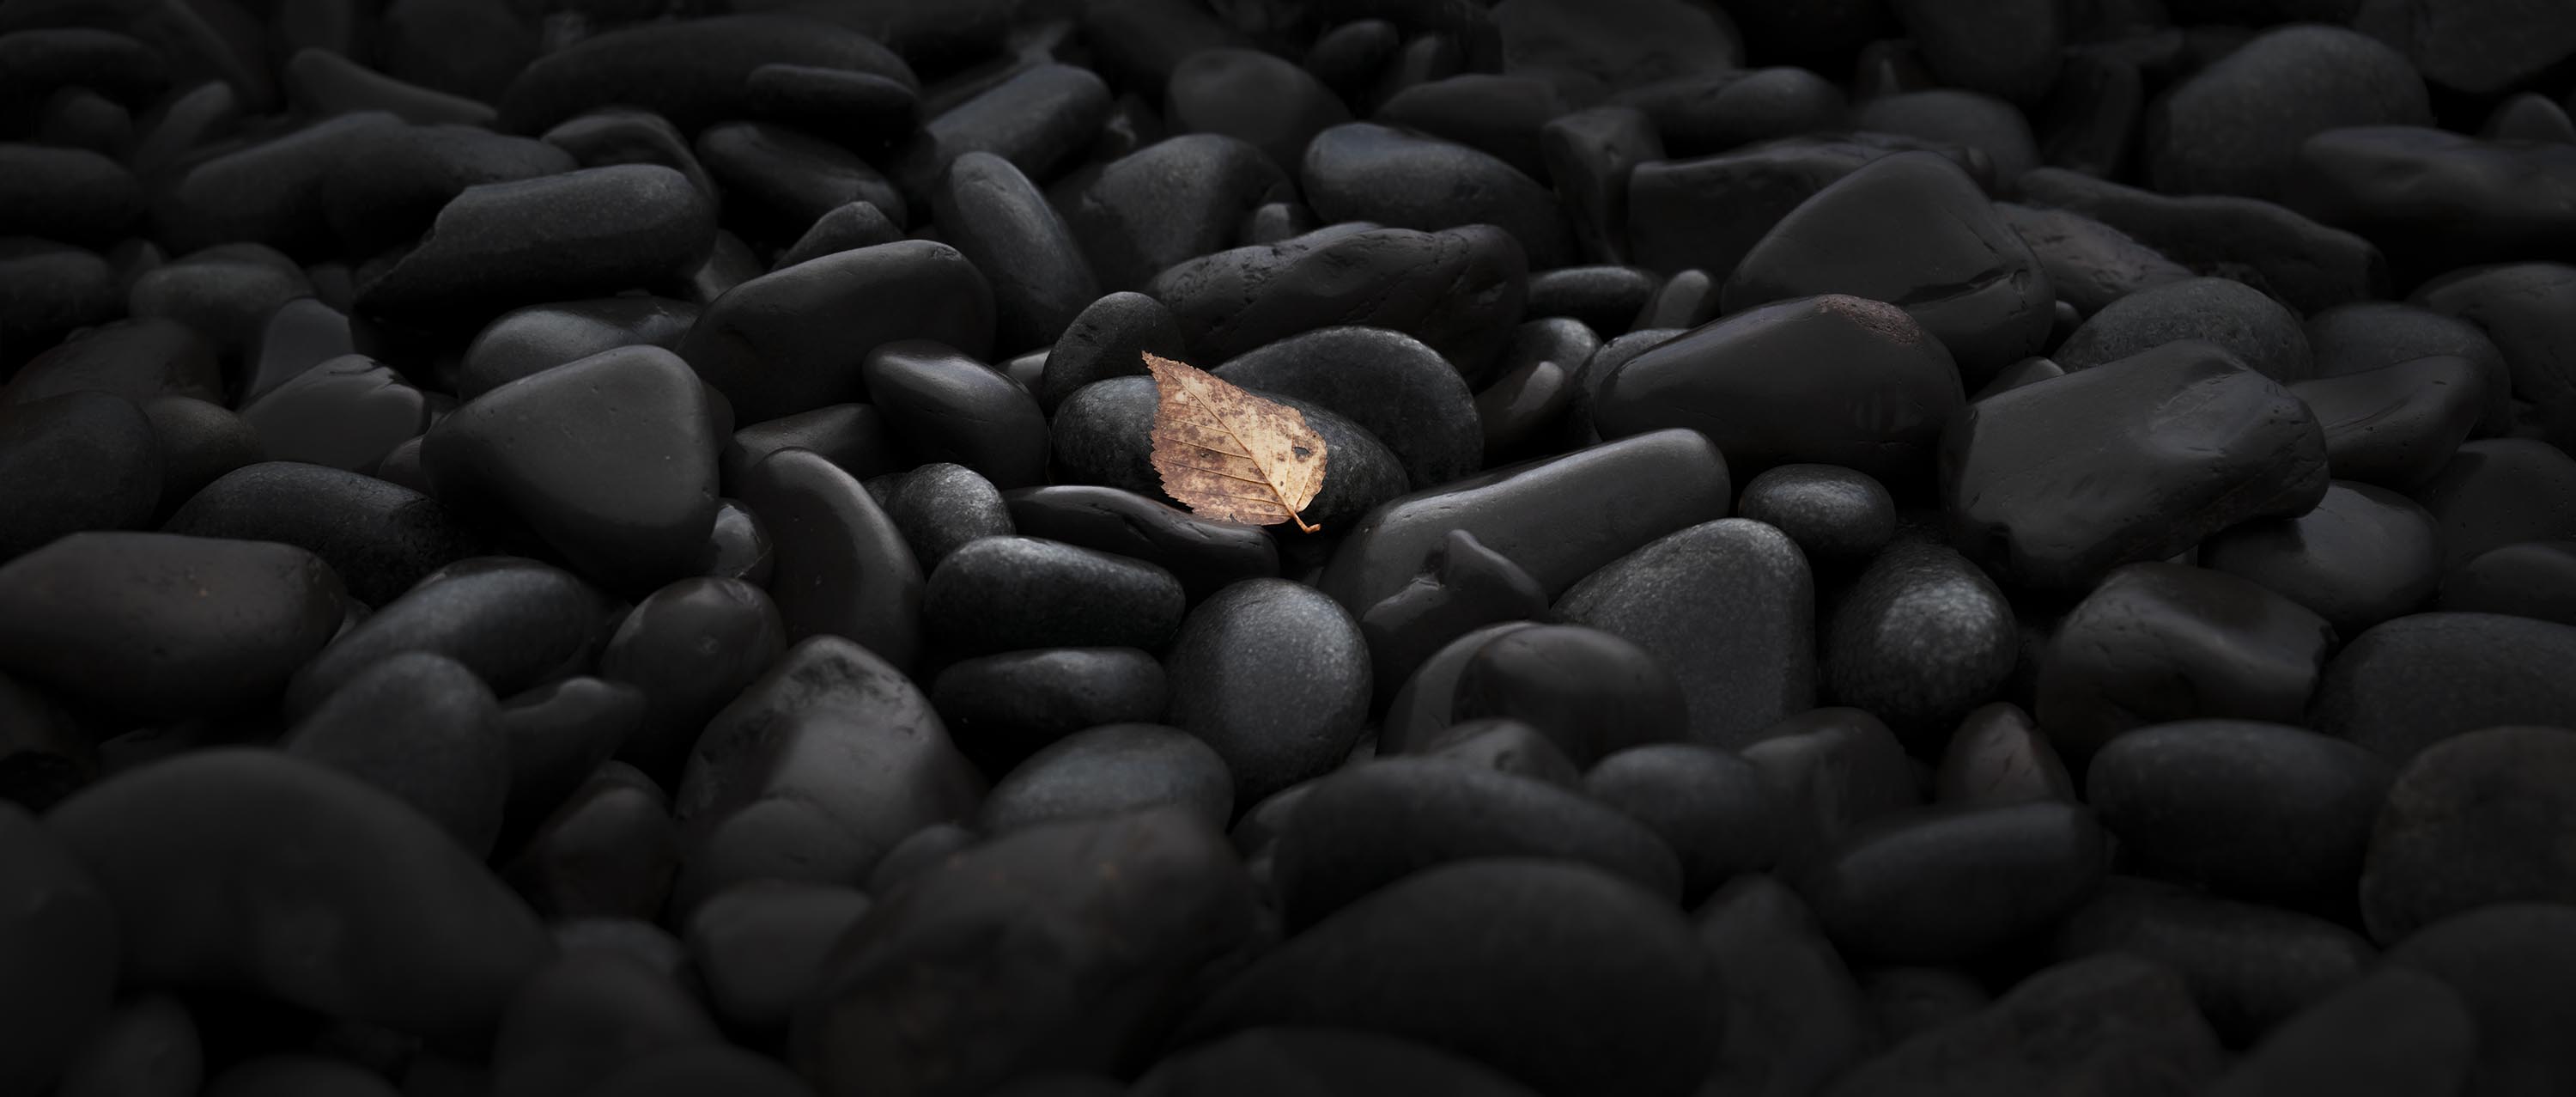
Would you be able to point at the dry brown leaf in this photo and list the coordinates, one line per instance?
(1230, 455)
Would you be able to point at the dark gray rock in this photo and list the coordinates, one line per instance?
(1728, 608)
(2473, 821)
(2236, 317)
(2415, 681)
(1275, 676)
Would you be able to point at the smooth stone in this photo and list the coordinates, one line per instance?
(298, 336)
(2435, 200)
(690, 648)
(1716, 811)
(2238, 318)
(2089, 264)
(427, 941)
(200, 443)
(1715, 112)
(75, 462)
(1831, 771)
(1294, 1061)
(1103, 435)
(1909, 1001)
(1362, 171)
(2235, 126)
(1109, 338)
(1365, 828)
(2053, 484)
(2397, 425)
(138, 359)
(225, 293)
(2465, 47)
(924, 849)
(1794, 1016)
(587, 1014)
(2529, 116)
(2367, 336)
(741, 548)
(814, 773)
(1560, 519)
(941, 507)
(527, 341)
(585, 233)
(1590, 693)
(1950, 883)
(2157, 642)
(44, 757)
(52, 289)
(2395, 1031)
(854, 437)
(1107, 771)
(846, 227)
(380, 538)
(1137, 901)
(1998, 756)
(1913, 230)
(62, 952)
(1825, 380)
(515, 623)
(1918, 639)
(1009, 593)
(1204, 555)
(160, 625)
(1967, 119)
(1463, 586)
(840, 566)
(2473, 821)
(1604, 298)
(42, 59)
(2500, 491)
(1589, 52)
(1387, 382)
(324, 82)
(1457, 290)
(694, 72)
(267, 192)
(1834, 514)
(998, 219)
(1728, 608)
(778, 180)
(2310, 267)
(1526, 407)
(1037, 119)
(610, 459)
(2412, 682)
(945, 405)
(2535, 579)
(1501, 115)
(2249, 967)
(422, 727)
(1273, 675)
(761, 946)
(1167, 203)
(391, 182)
(1001, 709)
(2523, 309)
(1258, 98)
(606, 853)
(1631, 992)
(1707, 212)
(2010, 51)
(2135, 1011)
(149, 1047)
(624, 135)
(2510, 964)
(794, 340)
(2363, 556)
(1503, 746)
(848, 106)
(556, 736)
(1589, 156)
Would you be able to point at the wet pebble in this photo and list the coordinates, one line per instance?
(1111, 770)
(2510, 965)
(1715, 810)
(1006, 593)
(2534, 579)
(1003, 225)
(1389, 383)
(346, 413)
(1998, 756)
(1273, 675)
(1457, 290)
(2473, 821)
(793, 340)
(759, 946)
(1168, 203)
(2235, 127)
(1949, 883)
(606, 854)
(1003, 708)
(839, 565)
(1204, 555)
(1836, 515)
(2237, 318)
(515, 622)
(689, 648)
(1603, 298)
(2394, 1031)
(2250, 967)
(2137, 1011)
(1728, 608)
(2414, 681)
(75, 462)
(1361, 171)
(2363, 556)
(1918, 639)
(422, 727)
(1463, 586)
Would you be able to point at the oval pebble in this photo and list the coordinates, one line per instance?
(2473, 821)
(1276, 677)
